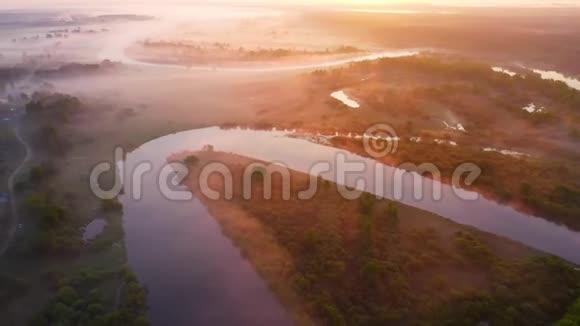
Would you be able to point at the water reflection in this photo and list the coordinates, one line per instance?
(93, 229)
(341, 96)
(554, 75)
(301, 155)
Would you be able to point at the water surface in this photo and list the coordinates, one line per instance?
(341, 96)
(554, 75)
(118, 54)
(93, 229)
(196, 276)
(504, 71)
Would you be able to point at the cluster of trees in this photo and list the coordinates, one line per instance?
(561, 201)
(471, 247)
(77, 69)
(57, 232)
(535, 291)
(348, 284)
(377, 269)
(54, 106)
(78, 301)
(572, 318)
(188, 51)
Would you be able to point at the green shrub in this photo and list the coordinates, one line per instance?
(332, 315)
(111, 205)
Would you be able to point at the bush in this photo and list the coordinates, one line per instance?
(111, 205)
(67, 295)
(469, 246)
(572, 318)
(191, 160)
(332, 315)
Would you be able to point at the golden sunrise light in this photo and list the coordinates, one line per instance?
(289, 162)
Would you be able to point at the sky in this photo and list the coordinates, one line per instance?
(533, 3)
(56, 4)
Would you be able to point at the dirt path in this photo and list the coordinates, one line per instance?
(14, 218)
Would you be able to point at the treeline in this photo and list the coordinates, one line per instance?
(54, 106)
(78, 69)
(185, 50)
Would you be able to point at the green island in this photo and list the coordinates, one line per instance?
(378, 262)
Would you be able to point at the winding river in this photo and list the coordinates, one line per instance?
(195, 275)
(119, 55)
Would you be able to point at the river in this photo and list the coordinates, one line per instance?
(196, 276)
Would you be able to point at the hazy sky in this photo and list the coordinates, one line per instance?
(15, 4)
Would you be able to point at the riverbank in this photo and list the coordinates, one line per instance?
(272, 261)
(339, 248)
(447, 111)
(224, 55)
(58, 275)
